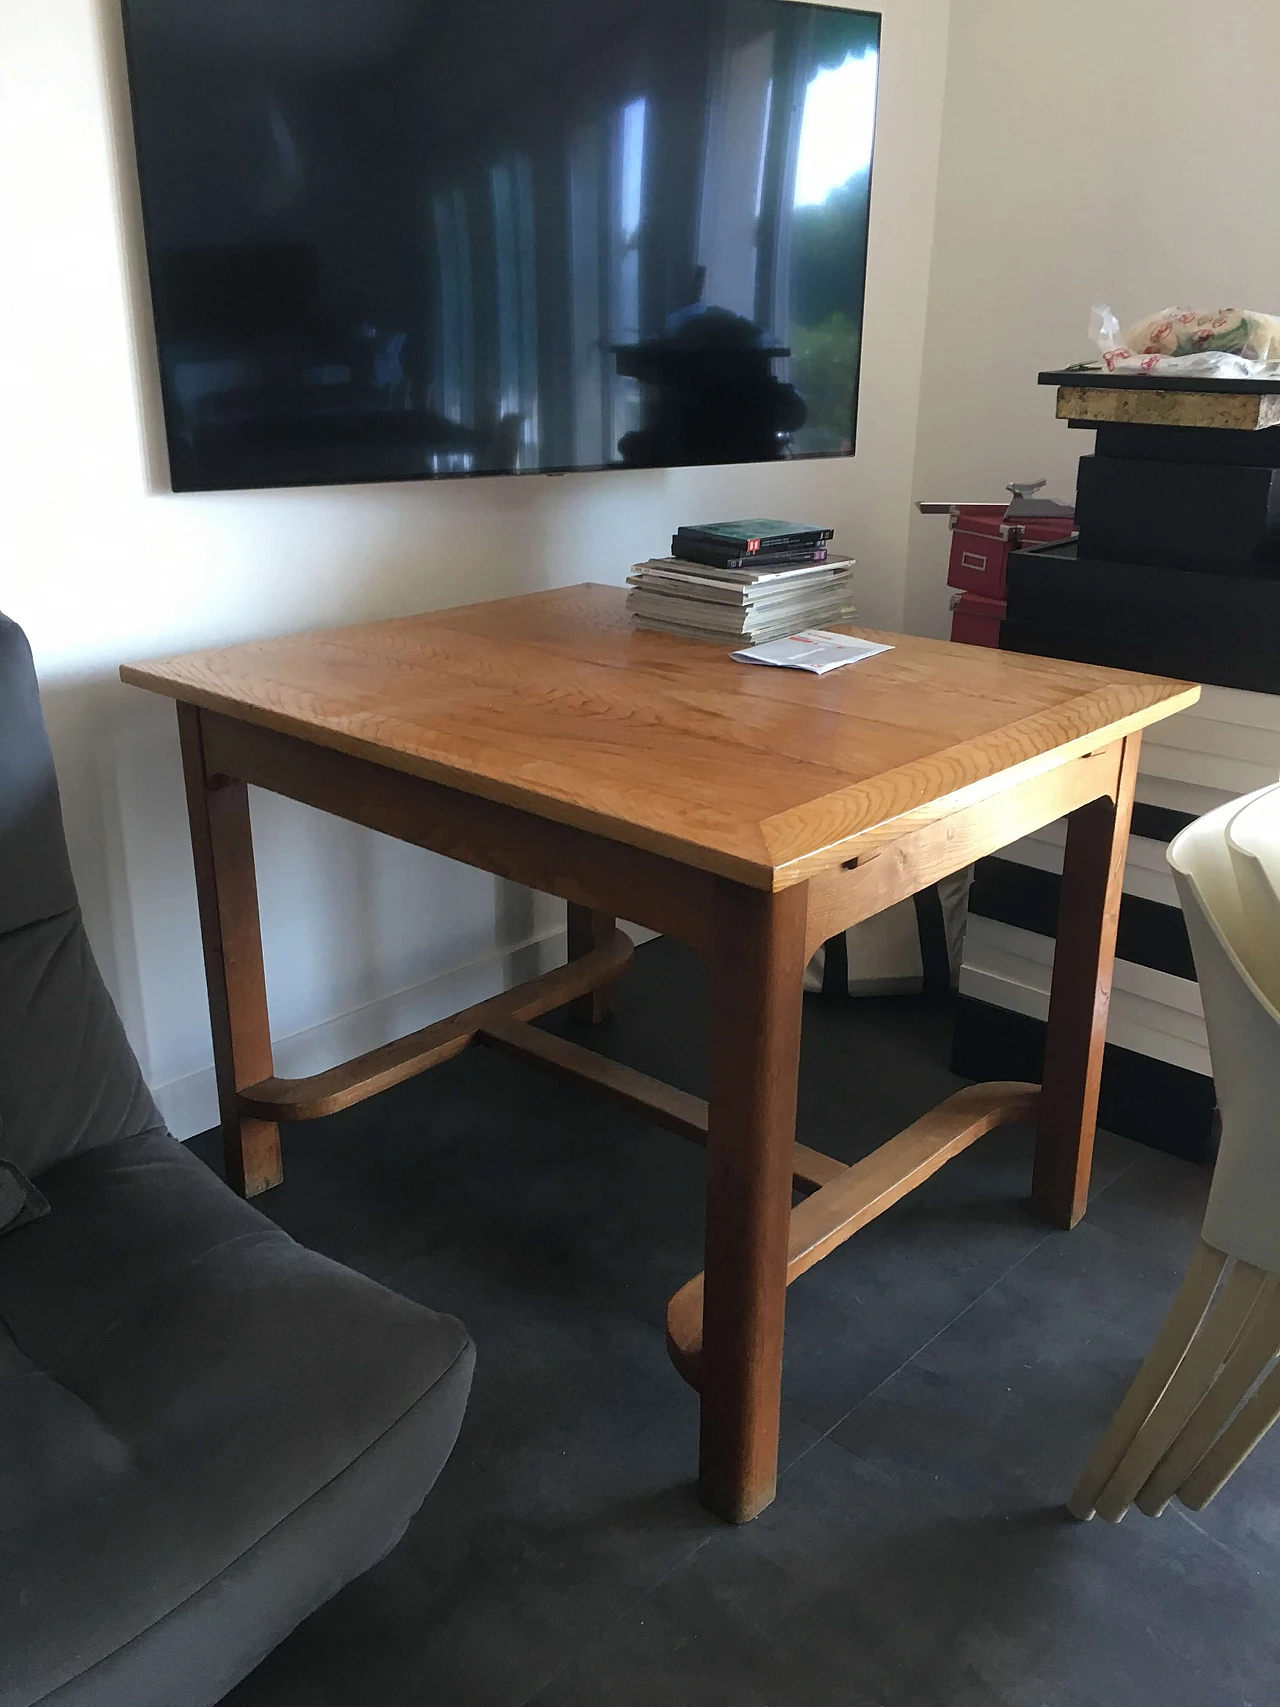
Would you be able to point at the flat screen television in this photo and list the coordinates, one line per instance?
(402, 239)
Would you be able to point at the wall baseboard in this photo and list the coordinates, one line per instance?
(190, 1105)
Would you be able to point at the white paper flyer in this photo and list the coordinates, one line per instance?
(817, 650)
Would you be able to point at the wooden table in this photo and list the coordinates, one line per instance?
(752, 813)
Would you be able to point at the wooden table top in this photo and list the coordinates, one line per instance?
(551, 703)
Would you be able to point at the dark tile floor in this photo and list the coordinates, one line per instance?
(947, 1372)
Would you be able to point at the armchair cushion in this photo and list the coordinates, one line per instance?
(68, 1078)
(35, 873)
(20, 1201)
(204, 1430)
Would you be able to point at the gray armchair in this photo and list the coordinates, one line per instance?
(205, 1430)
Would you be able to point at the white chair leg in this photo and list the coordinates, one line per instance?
(1258, 1344)
(1205, 1356)
(1180, 1325)
(1233, 1446)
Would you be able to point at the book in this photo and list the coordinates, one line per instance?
(738, 598)
(706, 574)
(724, 615)
(731, 598)
(756, 533)
(722, 612)
(671, 572)
(750, 602)
(751, 618)
(754, 636)
(732, 556)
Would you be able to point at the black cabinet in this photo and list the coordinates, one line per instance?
(1212, 518)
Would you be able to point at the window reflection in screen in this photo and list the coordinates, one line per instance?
(628, 233)
(516, 305)
(832, 169)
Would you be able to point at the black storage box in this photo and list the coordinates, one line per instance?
(1186, 444)
(1206, 628)
(1214, 518)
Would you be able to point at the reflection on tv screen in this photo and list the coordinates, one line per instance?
(397, 239)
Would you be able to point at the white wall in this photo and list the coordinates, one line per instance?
(101, 565)
(1128, 152)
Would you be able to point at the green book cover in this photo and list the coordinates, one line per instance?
(758, 533)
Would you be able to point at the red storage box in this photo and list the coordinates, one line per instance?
(975, 621)
(982, 540)
(978, 562)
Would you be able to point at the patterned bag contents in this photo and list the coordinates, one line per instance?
(1185, 332)
(1216, 343)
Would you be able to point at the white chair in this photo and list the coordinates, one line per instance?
(1204, 1398)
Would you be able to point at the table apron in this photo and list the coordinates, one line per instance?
(558, 859)
(613, 877)
(843, 898)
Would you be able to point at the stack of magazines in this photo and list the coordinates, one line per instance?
(743, 582)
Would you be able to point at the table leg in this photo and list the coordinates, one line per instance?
(1083, 963)
(586, 928)
(227, 890)
(757, 975)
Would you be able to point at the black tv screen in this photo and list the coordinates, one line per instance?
(398, 239)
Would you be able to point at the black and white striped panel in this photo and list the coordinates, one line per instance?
(1157, 1082)
(1008, 952)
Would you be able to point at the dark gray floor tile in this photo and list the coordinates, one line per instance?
(854, 1319)
(1008, 1404)
(568, 1497)
(921, 1555)
(1011, 1398)
(965, 1357)
(486, 1145)
(857, 1590)
(1157, 1204)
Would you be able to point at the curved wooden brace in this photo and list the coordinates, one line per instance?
(391, 1063)
(861, 1192)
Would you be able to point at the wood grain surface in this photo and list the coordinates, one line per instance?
(227, 892)
(551, 703)
(921, 856)
(1080, 996)
(757, 979)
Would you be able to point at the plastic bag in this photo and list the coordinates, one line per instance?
(1218, 343)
